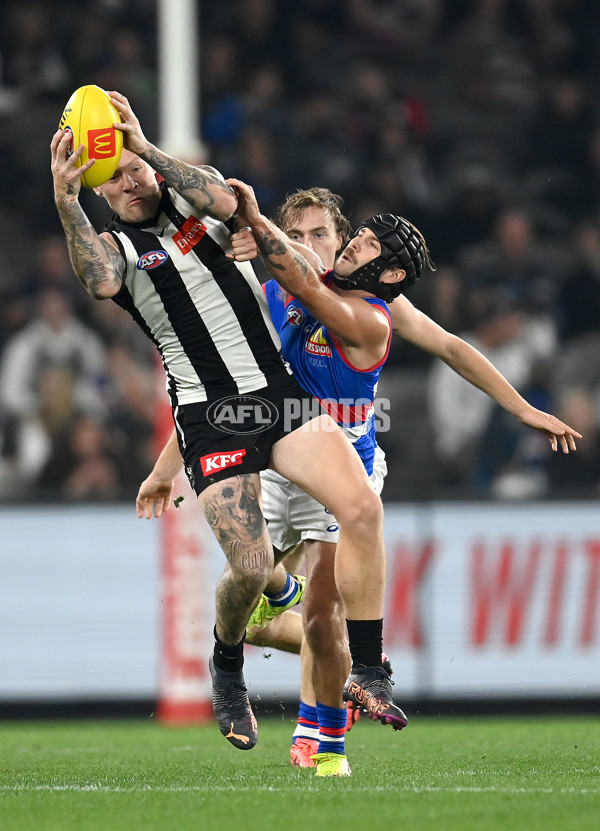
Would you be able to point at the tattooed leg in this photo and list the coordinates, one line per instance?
(233, 511)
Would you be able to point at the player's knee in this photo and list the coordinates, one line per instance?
(249, 582)
(363, 513)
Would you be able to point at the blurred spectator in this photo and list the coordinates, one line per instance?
(15, 312)
(515, 343)
(30, 439)
(558, 156)
(397, 24)
(50, 369)
(32, 61)
(478, 120)
(588, 192)
(440, 296)
(131, 402)
(516, 257)
(579, 299)
(580, 472)
(474, 194)
(80, 464)
(54, 338)
(510, 458)
(260, 161)
(260, 28)
(52, 270)
(318, 123)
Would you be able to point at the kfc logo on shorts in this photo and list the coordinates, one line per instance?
(295, 316)
(215, 462)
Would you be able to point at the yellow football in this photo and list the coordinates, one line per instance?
(90, 116)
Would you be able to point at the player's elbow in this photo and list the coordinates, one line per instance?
(225, 206)
(102, 289)
(454, 350)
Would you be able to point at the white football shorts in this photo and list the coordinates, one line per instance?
(293, 516)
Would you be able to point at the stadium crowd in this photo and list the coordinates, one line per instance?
(476, 119)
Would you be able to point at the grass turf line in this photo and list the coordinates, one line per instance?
(440, 774)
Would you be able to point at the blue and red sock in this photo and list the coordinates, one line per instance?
(308, 723)
(332, 728)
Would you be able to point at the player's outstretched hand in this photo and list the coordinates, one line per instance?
(557, 431)
(65, 172)
(247, 204)
(133, 136)
(154, 497)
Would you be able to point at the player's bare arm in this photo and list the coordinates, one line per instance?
(349, 318)
(97, 263)
(311, 257)
(203, 187)
(155, 493)
(417, 328)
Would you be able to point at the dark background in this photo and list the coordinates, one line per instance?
(478, 120)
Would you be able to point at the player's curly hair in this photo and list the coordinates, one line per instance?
(299, 200)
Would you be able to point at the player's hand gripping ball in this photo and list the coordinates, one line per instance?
(89, 115)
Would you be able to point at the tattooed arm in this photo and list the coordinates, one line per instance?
(355, 323)
(96, 260)
(285, 262)
(203, 187)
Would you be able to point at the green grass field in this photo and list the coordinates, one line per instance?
(441, 773)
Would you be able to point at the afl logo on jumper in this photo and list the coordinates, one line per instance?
(151, 260)
(295, 316)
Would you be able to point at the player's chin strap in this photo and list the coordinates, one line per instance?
(367, 278)
(402, 246)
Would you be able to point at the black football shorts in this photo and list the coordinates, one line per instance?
(235, 434)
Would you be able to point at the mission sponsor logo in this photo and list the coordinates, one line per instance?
(242, 414)
(215, 462)
(317, 345)
(151, 260)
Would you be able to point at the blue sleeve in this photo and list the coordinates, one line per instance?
(275, 299)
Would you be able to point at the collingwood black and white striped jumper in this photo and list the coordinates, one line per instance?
(206, 314)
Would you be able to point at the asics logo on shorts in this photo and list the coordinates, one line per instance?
(214, 462)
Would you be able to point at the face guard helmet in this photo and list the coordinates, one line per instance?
(402, 246)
